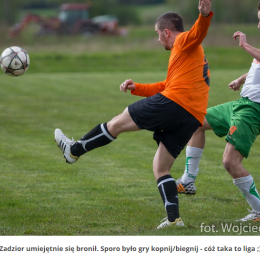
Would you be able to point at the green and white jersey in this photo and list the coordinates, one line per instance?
(251, 88)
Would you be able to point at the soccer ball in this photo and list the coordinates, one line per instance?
(15, 61)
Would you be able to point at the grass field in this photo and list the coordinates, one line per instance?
(73, 84)
(110, 191)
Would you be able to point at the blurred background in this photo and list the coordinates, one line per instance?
(133, 11)
(80, 27)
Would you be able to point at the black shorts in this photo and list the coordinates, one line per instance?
(171, 123)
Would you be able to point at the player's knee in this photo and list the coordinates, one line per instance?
(226, 163)
(112, 129)
(115, 124)
(160, 170)
(114, 120)
(229, 164)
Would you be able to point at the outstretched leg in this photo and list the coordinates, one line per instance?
(100, 135)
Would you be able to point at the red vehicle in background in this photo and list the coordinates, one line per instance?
(72, 19)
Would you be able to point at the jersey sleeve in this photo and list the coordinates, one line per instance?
(195, 36)
(147, 90)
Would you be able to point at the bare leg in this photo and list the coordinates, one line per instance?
(122, 123)
(162, 162)
(232, 161)
(104, 134)
(198, 138)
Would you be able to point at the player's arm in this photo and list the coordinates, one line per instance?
(143, 90)
(148, 90)
(237, 83)
(199, 30)
(248, 48)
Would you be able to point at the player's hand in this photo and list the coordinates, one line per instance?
(235, 85)
(127, 85)
(241, 36)
(204, 7)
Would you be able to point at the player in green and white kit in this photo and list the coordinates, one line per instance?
(239, 121)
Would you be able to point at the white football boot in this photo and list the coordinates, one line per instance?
(65, 143)
(253, 215)
(166, 223)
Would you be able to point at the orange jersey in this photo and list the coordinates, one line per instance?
(187, 81)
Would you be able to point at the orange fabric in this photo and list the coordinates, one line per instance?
(185, 83)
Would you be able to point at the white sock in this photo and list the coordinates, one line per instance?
(193, 156)
(247, 187)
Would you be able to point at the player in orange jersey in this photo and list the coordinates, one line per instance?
(173, 109)
(239, 121)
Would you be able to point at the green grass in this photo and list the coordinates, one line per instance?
(111, 190)
(224, 57)
(73, 84)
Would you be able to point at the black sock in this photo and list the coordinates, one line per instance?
(97, 137)
(168, 190)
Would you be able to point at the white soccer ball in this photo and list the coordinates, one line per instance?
(15, 61)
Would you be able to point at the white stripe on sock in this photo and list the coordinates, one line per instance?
(166, 203)
(162, 182)
(106, 133)
(84, 142)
